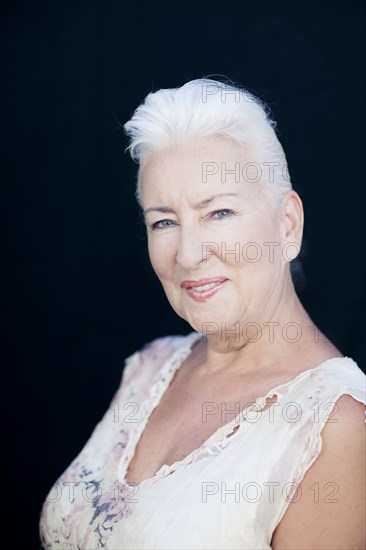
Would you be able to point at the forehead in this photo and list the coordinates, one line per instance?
(199, 168)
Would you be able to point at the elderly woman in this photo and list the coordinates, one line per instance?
(249, 431)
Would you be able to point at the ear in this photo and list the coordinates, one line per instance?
(292, 225)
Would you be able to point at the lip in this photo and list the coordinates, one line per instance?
(191, 284)
(203, 295)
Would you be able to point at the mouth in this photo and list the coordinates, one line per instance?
(203, 289)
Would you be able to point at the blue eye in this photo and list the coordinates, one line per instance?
(223, 210)
(155, 226)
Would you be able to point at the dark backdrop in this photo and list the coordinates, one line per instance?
(78, 293)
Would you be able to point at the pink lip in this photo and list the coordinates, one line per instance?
(203, 295)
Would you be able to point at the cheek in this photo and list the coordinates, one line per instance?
(258, 246)
(159, 256)
(154, 256)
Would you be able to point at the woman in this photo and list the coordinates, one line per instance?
(249, 431)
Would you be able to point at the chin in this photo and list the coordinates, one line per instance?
(210, 323)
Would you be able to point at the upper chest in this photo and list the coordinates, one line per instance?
(189, 412)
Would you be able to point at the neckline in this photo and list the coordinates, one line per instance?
(167, 372)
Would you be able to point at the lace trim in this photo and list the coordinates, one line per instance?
(219, 440)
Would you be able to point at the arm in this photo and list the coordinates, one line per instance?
(309, 524)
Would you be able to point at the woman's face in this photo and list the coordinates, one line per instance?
(231, 236)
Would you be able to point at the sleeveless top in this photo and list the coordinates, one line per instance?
(231, 492)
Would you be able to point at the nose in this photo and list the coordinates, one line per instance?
(191, 249)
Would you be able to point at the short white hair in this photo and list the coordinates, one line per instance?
(209, 108)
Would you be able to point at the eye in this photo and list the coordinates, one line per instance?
(230, 212)
(155, 226)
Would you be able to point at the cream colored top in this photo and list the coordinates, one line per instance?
(229, 493)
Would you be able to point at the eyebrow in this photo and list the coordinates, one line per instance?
(198, 206)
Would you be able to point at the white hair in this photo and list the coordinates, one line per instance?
(210, 108)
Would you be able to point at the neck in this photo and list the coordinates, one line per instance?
(279, 338)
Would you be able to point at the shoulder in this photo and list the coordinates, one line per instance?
(150, 357)
(330, 507)
(349, 412)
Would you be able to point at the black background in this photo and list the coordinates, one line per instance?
(78, 293)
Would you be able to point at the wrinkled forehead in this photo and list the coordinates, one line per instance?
(200, 167)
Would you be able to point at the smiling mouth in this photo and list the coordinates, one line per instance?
(201, 293)
(207, 286)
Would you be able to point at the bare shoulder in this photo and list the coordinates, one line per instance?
(330, 509)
